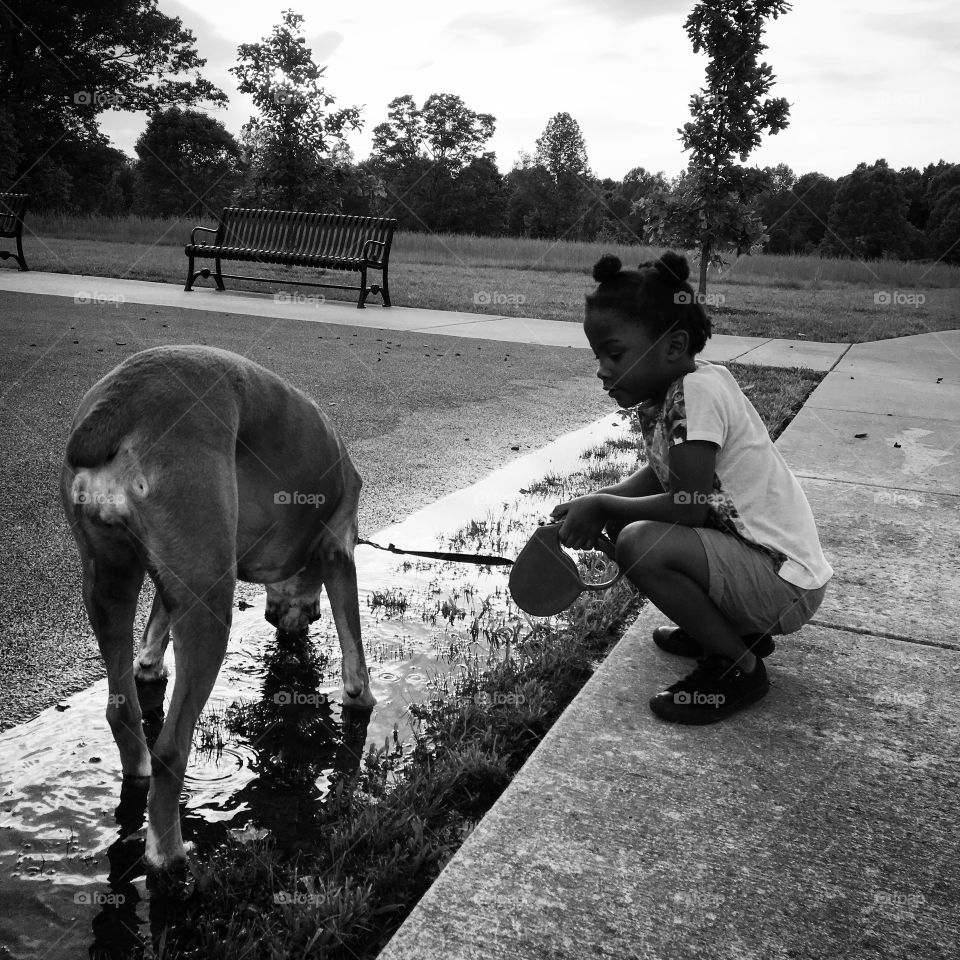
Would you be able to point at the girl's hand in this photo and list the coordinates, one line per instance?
(583, 521)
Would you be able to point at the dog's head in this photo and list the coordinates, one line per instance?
(293, 604)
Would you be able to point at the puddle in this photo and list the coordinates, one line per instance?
(273, 739)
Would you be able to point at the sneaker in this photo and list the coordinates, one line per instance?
(677, 641)
(716, 689)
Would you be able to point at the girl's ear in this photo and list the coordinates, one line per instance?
(678, 344)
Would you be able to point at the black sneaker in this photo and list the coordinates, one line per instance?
(716, 689)
(677, 641)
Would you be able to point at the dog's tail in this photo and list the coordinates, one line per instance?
(96, 438)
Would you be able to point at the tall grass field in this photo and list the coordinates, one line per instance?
(765, 295)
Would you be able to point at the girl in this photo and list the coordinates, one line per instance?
(715, 529)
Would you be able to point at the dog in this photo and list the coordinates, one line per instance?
(199, 467)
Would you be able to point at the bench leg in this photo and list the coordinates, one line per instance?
(217, 277)
(190, 277)
(385, 288)
(20, 258)
(364, 290)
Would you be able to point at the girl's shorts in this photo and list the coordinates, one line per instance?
(745, 586)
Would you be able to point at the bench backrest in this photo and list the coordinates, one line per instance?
(304, 234)
(12, 208)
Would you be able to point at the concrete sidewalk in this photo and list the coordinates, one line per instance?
(312, 308)
(823, 822)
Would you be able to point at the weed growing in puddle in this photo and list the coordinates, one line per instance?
(393, 602)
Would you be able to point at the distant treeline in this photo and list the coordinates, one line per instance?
(428, 169)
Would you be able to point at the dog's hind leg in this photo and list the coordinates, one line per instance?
(112, 577)
(149, 666)
(200, 616)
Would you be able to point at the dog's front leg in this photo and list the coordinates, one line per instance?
(340, 579)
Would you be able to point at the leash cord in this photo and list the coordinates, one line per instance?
(480, 558)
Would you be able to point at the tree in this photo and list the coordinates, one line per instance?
(943, 227)
(288, 143)
(424, 153)
(188, 164)
(868, 218)
(730, 115)
(562, 149)
(63, 64)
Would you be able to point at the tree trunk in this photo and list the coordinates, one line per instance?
(704, 262)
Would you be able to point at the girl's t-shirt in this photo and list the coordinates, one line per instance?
(755, 495)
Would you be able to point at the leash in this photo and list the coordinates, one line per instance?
(481, 558)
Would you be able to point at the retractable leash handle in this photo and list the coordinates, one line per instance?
(544, 580)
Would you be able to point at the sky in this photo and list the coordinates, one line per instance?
(863, 81)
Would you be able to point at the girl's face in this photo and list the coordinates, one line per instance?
(632, 367)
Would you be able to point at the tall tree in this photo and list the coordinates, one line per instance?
(424, 153)
(188, 164)
(868, 218)
(730, 114)
(63, 64)
(290, 141)
(562, 149)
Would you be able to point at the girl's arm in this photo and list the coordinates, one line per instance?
(692, 466)
(643, 483)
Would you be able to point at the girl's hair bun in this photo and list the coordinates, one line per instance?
(673, 268)
(606, 268)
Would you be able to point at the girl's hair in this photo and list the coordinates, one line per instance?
(655, 295)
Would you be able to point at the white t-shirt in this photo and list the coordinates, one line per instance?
(755, 495)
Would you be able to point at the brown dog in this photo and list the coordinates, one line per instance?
(200, 467)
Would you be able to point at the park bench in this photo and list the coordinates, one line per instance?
(12, 208)
(329, 241)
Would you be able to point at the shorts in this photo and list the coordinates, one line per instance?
(745, 586)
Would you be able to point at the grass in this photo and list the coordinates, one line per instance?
(766, 295)
(365, 857)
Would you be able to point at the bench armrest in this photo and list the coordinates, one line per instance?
(367, 243)
(205, 229)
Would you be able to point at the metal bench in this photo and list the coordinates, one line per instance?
(12, 208)
(328, 241)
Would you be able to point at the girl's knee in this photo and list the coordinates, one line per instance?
(639, 545)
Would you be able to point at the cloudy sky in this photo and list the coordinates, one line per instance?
(863, 80)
